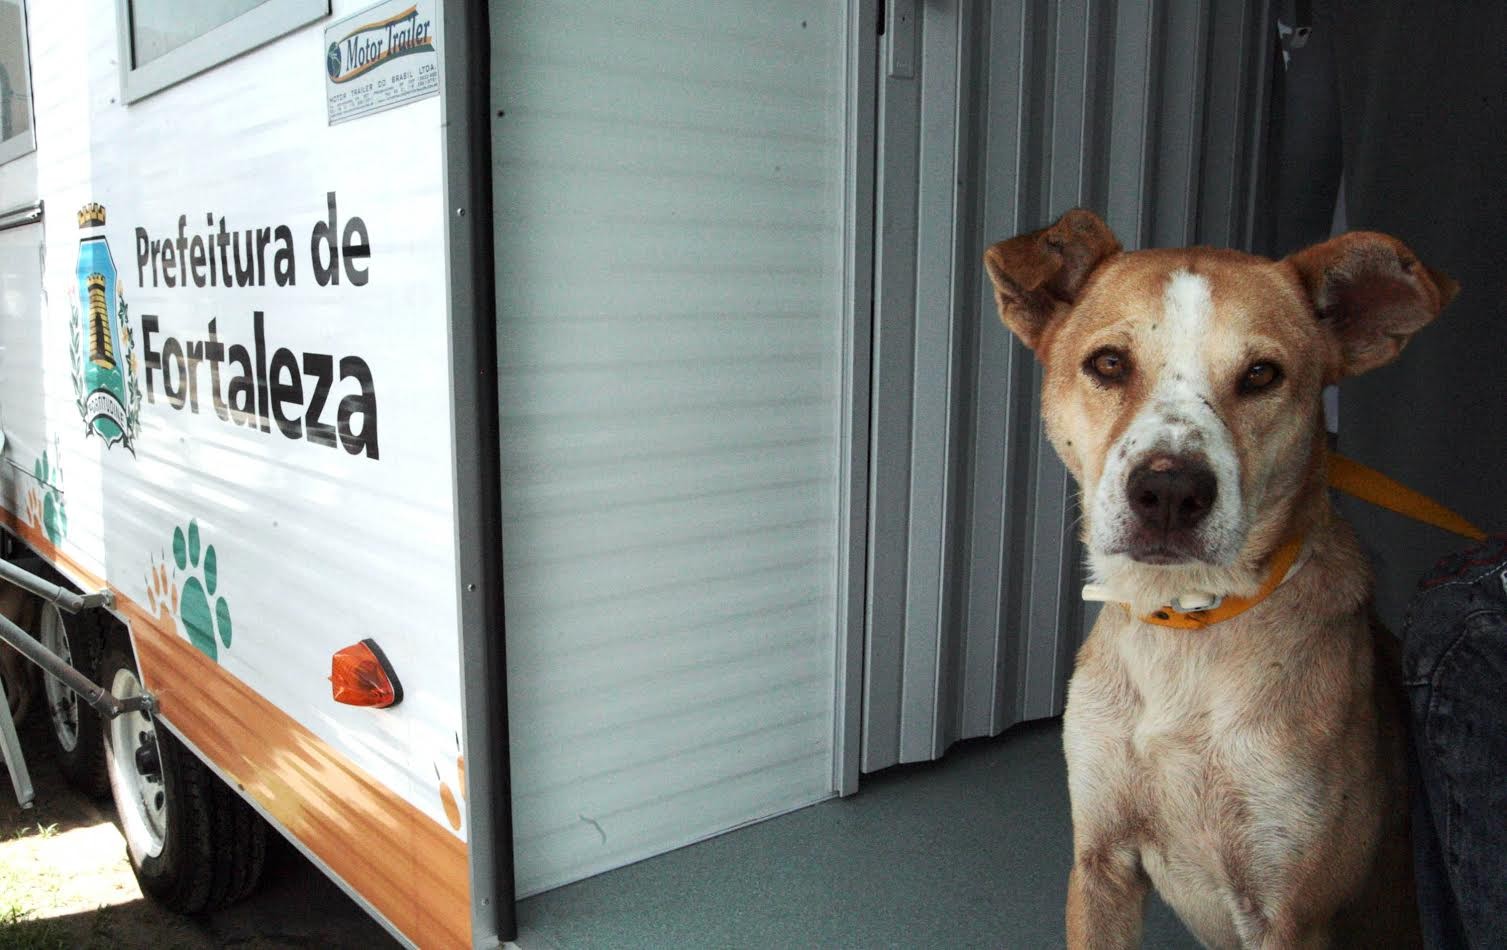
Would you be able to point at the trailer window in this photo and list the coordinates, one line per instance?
(163, 42)
(15, 83)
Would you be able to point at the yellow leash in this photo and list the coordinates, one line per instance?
(1352, 478)
(1367, 484)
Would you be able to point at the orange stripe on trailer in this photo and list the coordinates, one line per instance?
(402, 862)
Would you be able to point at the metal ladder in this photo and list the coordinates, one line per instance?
(102, 701)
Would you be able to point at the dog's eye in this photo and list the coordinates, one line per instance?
(1260, 376)
(1108, 366)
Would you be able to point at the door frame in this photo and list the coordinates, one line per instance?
(859, 197)
(466, 54)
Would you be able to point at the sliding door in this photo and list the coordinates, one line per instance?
(669, 186)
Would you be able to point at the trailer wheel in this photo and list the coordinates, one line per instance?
(193, 843)
(77, 735)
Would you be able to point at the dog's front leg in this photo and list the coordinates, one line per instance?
(1107, 888)
(1106, 895)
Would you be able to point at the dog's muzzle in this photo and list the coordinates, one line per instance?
(1170, 497)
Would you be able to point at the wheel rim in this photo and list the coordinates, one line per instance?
(140, 796)
(62, 702)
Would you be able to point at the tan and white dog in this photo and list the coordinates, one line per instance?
(1251, 768)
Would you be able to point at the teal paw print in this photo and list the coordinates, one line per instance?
(50, 514)
(194, 603)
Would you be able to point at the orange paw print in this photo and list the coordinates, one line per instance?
(162, 593)
(34, 507)
(447, 797)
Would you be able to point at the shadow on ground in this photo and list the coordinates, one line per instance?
(65, 883)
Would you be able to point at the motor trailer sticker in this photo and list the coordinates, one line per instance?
(380, 58)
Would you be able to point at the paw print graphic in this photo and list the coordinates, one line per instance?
(448, 798)
(205, 616)
(162, 594)
(34, 508)
(44, 504)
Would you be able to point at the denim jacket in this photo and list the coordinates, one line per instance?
(1455, 663)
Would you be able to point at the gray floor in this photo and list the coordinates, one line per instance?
(972, 851)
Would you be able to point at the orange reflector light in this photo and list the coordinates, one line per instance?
(361, 676)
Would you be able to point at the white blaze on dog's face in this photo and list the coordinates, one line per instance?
(1182, 387)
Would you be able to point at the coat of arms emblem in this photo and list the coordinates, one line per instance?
(103, 349)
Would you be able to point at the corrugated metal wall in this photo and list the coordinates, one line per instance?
(670, 269)
(1018, 110)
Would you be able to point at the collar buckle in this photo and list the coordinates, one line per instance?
(1195, 602)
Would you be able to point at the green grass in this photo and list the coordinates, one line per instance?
(19, 932)
(41, 831)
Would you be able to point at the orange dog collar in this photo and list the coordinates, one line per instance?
(1282, 563)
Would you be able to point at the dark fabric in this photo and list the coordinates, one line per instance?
(1419, 101)
(1414, 95)
(1304, 149)
(1455, 665)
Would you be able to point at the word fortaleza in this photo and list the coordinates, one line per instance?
(227, 258)
(261, 393)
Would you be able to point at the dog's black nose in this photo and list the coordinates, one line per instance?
(1171, 494)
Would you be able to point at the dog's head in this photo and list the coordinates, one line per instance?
(1182, 387)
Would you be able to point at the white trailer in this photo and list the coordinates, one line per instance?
(654, 330)
(226, 401)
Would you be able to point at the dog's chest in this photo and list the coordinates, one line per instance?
(1206, 741)
(1177, 743)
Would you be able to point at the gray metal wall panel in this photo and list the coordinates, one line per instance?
(1180, 137)
(931, 428)
(986, 662)
(1141, 109)
(890, 436)
(1222, 175)
(857, 350)
(670, 217)
(1132, 131)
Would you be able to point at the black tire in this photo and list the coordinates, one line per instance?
(76, 729)
(213, 845)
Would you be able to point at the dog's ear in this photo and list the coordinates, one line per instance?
(1038, 276)
(1371, 295)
